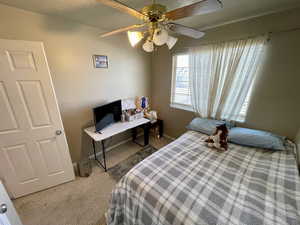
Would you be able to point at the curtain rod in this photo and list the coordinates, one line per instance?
(270, 33)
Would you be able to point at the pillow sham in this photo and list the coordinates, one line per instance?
(256, 138)
(206, 126)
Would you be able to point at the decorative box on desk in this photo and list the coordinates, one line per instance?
(133, 117)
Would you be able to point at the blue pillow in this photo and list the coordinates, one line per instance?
(206, 126)
(256, 138)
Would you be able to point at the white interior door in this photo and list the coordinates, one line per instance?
(8, 214)
(34, 154)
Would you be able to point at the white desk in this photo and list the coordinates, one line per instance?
(113, 129)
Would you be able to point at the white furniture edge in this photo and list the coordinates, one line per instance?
(114, 129)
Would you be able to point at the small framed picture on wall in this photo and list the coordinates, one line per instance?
(100, 61)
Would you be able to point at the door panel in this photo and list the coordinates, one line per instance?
(10, 124)
(51, 156)
(21, 60)
(34, 102)
(21, 163)
(32, 156)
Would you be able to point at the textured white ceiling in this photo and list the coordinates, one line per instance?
(92, 13)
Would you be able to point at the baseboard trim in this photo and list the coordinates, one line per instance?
(169, 137)
(75, 168)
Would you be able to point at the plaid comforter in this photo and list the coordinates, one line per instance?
(188, 183)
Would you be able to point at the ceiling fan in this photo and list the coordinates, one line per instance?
(158, 21)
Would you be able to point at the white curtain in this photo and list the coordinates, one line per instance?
(221, 76)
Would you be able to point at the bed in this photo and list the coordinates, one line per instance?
(187, 183)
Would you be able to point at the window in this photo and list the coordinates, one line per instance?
(181, 96)
(226, 71)
(244, 109)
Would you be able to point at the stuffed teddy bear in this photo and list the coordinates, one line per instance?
(219, 139)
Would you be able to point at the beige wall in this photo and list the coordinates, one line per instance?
(69, 47)
(275, 104)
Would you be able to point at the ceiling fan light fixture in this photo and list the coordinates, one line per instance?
(160, 36)
(134, 37)
(171, 41)
(158, 21)
(148, 46)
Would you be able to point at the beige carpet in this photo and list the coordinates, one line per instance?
(81, 202)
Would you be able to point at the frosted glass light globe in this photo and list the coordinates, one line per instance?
(171, 41)
(160, 37)
(148, 46)
(134, 37)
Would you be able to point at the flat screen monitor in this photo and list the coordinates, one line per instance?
(107, 114)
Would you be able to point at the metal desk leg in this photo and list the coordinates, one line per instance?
(160, 128)
(146, 128)
(134, 133)
(103, 152)
(95, 156)
(146, 133)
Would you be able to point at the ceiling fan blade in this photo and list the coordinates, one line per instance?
(123, 8)
(122, 30)
(198, 8)
(186, 31)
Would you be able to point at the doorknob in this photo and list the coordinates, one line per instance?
(3, 208)
(58, 132)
